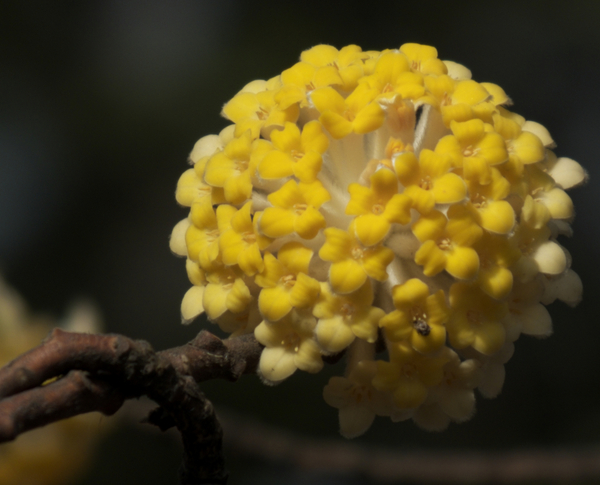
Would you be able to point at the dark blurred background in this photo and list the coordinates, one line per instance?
(103, 100)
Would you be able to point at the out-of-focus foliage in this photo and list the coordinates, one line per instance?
(58, 453)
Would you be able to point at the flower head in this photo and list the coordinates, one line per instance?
(364, 200)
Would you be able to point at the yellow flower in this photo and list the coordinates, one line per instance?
(457, 100)
(191, 188)
(392, 76)
(452, 399)
(496, 255)
(285, 282)
(301, 79)
(419, 317)
(428, 180)
(240, 241)
(226, 290)
(524, 148)
(295, 153)
(545, 201)
(202, 236)
(447, 243)
(342, 318)
(348, 62)
(491, 368)
(423, 58)
(289, 346)
(358, 113)
(241, 323)
(473, 149)
(233, 168)
(475, 319)
(408, 375)
(383, 200)
(296, 209)
(377, 207)
(487, 204)
(256, 109)
(539, 254)
(525, 312)
(357, 400)
(351, 262)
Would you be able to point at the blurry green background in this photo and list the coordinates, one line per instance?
(102, 102)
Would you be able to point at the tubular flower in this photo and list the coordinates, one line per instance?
(365, 200)
(358, 113)
(453, 398)
(408, 375)
(191, 187)
(349, 62)
(355, 397)
(419, 317)
(255, 109)
(392, 76)
(447, 243)
(352, 263)
(234, 166)
(473, 149)
(545, 200)
(226, 290)
(428, 180)
(296, 209)
(285, 283)
(342, 318)
(289, 346)
(377, 207)
(458, 100)
(303, 78)
(202, 235)
(524, 147)
(487, 204)
(295, 153)
(475, 320)
(496, 255)
(240, 242)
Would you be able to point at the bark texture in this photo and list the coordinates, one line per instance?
(73, 373)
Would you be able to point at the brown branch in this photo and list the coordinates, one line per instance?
(99, 372)
(69, 396)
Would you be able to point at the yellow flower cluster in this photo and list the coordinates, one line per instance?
(56, 454)
(379, 197)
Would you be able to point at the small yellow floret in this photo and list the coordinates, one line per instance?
(419, 317)
(351, 262)
(447, 243)
(428, 180)
(343, 318)
(289, 346)
(285, 282)
(296, 209)
(377, 207)
(295, 153)
(475, 320)
(473, 149)
(240, 241)
(358, 113)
